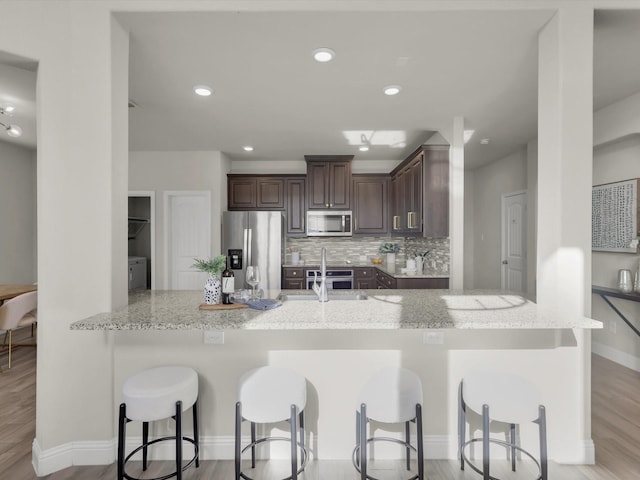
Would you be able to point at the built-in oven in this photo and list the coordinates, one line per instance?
(336, 279)
(329, 223)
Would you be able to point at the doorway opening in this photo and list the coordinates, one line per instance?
(141, 240)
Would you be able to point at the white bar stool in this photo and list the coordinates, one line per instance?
(155, 394)
(505, 398)
(393, 395)
(271, 395)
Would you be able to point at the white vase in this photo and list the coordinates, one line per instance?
(419, 265)
(391, 262)
(212, 290)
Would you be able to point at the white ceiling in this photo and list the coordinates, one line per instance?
(269, 93)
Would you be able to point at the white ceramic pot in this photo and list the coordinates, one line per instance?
(419, 265)
(391, 262)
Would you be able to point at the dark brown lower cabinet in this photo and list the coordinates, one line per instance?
(413, 283)
(293, 278)
(364, 278)
(384, 280)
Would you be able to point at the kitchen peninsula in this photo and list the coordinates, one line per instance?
(382, 309)
(440, 334)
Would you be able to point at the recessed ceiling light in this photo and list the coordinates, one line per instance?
(392, 89)
(323, 54)
(363, 148)
(13, 130)
(7, 109)
(484, 141)
(248, 148)
(203, 90)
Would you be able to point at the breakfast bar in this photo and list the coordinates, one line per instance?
(439, 334)
(378, 309)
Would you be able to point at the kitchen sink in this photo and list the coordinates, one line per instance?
(287, 297)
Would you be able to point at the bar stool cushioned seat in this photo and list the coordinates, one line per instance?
(393, 395)
(505, 398)
(270, 395)
(155, 394)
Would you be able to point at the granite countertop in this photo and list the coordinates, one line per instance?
(382, 310)
(382, 267)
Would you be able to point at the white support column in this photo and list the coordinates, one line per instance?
(565, 160)
(565, 151)
(456, 207)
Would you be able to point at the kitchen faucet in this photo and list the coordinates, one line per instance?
(321, 290)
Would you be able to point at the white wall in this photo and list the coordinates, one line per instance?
(165, 171)
(469, 229)
(614, 162)
(508, 174)
(18, 230)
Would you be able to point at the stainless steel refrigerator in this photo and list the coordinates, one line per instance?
(254, 238)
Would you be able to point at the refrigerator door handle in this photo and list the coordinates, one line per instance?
(245, 247)
(249, 243)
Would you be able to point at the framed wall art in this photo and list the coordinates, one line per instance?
(615, 216)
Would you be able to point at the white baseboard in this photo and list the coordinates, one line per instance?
(622, 358)
(57, 458)
(436, 447)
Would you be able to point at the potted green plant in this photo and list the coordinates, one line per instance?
(212, 287)
(390, 249)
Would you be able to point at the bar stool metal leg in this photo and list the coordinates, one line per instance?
(302, 434)
(407, 437)
(122, 428)
(294, 443)
(196, 437)
(485, 442)
(363, 442)
(513, 446)
(462, 422)
(178, 440)
(253, 444)
(238, 433)
(420, 442)
(542, 426)
(145, 441)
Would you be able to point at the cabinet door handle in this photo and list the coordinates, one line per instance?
(326, 205)
(411, 222)
(396, 222)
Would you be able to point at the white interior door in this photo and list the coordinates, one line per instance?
(188, 221)
(514, 238)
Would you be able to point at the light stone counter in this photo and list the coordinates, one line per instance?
(383, 310)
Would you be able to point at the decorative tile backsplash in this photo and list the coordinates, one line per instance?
(363, 249)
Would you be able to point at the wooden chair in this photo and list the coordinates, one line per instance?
(15, 313)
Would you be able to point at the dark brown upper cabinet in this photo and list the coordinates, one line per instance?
(329, 182)
(370, 204)
(296, 206)
(420, 193)
(436, 191)
(252, 192)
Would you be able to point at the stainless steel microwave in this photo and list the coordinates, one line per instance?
(329, 223)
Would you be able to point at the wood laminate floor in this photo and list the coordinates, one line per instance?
(615, 431)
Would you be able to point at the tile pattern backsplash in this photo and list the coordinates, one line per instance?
(362, 249)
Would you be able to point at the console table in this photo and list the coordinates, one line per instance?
(606, 292)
